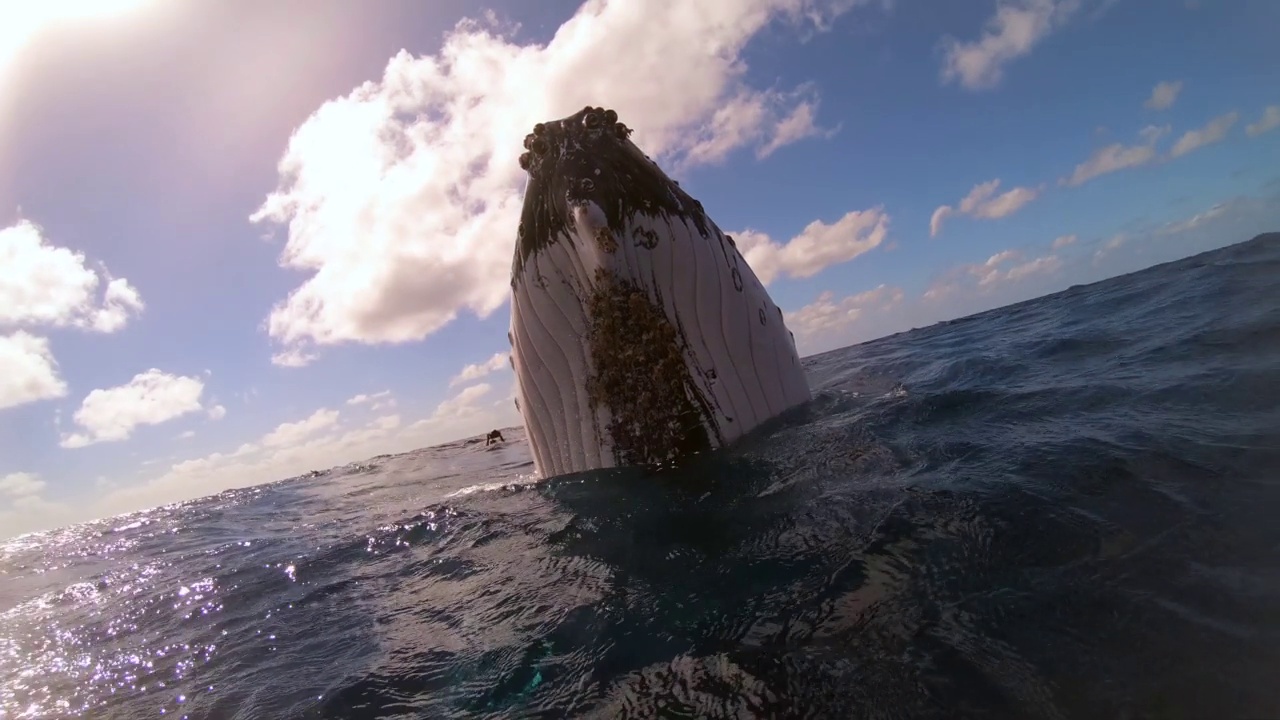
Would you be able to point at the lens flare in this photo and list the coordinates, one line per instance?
(22, 20)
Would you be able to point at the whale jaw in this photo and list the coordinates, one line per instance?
(639, 334)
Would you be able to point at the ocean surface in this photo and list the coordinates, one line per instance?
(1067, 508)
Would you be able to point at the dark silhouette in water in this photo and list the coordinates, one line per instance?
(494, 436)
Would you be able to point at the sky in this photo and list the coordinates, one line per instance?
(242, 241)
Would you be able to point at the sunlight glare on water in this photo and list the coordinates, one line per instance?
(1064, 508)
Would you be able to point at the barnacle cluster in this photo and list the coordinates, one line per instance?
(606, 240)
(588, 119)
(640, 375)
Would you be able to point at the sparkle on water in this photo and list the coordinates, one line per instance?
(1064, 508)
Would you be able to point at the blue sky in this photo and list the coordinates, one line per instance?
(241, 243)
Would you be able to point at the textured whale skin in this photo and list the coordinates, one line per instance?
(639, 334)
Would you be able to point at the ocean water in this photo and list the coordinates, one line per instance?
(1067, 508)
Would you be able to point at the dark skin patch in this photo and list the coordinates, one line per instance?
(640, 375)
(645, 238)
(587, 157)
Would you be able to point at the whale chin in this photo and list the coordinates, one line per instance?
(639, 333)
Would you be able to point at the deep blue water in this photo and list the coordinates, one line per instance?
(1067, 508)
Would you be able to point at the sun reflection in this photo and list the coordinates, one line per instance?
(22, 20)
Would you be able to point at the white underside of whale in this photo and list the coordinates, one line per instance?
(738, 351)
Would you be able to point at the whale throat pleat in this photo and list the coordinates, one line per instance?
(563, 290)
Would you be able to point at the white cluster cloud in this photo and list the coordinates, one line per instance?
(983, 202)
(827, 322)
(817, 247)
(475, 371)
(150, 398)
(1163, 95)
(44, 286)
(1015, 29)
(1270, 120)
(1213, 131)
(401, 199)
(1063, 241)
(28, 371)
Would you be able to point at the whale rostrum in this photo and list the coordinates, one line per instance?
(639, 334)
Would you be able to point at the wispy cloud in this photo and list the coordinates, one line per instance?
(1118, 156)
(1269, 121)
(290, 434)
(319, 441)
(817, 247)
(1214, 131)
(983, 202)
(1015, 29)
(22, 505)
(475, 371)
(830, 322)
(1163, 95)
(1113, 243)
(374, 400)
(999, 269)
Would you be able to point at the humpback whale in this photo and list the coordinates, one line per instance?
(639, 334)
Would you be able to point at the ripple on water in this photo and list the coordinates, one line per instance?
(1060, 509)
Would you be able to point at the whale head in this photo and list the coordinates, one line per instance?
(587, 179)
(639, 333)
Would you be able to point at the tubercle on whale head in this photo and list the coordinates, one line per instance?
(586, 161)
(586, 125)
